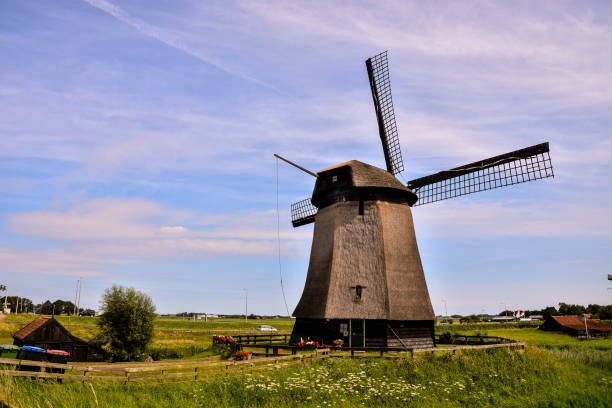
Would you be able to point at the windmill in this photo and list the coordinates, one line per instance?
(365, 283)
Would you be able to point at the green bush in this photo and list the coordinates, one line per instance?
(447, 338)
(126, 325)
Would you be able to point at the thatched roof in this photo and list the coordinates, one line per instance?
(365, 175)
(355, 180)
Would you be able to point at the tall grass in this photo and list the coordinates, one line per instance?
(498, 378)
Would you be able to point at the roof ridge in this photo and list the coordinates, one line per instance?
(30, 327)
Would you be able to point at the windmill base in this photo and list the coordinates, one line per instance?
(366, 333)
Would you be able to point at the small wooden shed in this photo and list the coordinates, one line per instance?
(575, 326)
(48, 333)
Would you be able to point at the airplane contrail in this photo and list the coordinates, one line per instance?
(171, 40)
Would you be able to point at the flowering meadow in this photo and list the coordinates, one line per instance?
(496, 378)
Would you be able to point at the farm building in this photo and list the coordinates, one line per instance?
(48, 333)
(502, 319)
(575, 326)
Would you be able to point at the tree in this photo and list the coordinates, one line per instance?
(469, 319)
(549, 311)
(601, 312)
(565, 309)
(126, 324)
(58, 307)
(25, 304)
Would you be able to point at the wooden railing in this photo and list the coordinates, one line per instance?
(274, 343)
(250, 339)
(153, 372)
(192, 370)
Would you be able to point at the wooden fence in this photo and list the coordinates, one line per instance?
(192, 370)
(262, 338)
(152, 372)
(274, 343)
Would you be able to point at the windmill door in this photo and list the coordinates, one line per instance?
(357, 329)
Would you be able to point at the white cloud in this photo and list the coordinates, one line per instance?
(173, 230)
(470, 217)
(114, 232)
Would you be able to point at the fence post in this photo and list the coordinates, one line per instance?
(196, 373)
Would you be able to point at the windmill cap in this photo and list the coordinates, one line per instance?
(355, 180)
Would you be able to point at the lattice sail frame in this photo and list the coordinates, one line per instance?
(378, 74)
(303, 212)
(520, 166)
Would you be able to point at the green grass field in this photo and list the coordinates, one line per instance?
(552, 340)
(501, 378)
(173, 323)
(554, 371)
(175, 338)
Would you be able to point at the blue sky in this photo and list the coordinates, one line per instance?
(136, 143)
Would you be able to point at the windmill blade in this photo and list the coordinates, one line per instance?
(520, 166)
(302, 213)
(378, 73)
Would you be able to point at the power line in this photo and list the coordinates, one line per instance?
(280, 268)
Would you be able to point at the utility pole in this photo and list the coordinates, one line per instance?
(2, 287)
(246, 304)
(78, 305)
(77, 297)
(586, 329)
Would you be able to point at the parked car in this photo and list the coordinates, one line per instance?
(265, 327)
(88, 312)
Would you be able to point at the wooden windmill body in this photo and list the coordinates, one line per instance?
(365, 283)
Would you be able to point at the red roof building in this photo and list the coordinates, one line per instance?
(48, 333)
(576, 326)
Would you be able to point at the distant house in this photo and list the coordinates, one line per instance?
(575, 326)
(206, 316)
(48, 333)
(502, 319)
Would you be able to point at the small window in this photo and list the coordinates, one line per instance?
(358, 293)
(334, 179)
